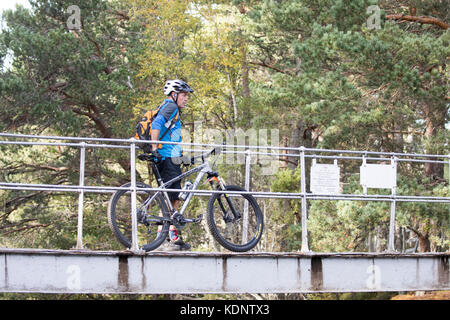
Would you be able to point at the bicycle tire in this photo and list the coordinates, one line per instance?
(119, 218)
(229, 234)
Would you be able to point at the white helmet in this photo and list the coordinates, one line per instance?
(177, 86)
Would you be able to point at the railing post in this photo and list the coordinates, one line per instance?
(248, 160)
(391, 243)
(134, 240)
(364, 164)
(448, 171)
(81, 196)
(305, 247)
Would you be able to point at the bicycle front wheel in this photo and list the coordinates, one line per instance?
(235, 234)
(152, 230)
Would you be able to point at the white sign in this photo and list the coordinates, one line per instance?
(325, 178)
(378, 176)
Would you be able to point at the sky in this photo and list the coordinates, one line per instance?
(11, 4)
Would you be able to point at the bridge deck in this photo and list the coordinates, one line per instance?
(85, 271)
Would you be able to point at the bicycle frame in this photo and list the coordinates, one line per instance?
(203, 169)
(223, 214)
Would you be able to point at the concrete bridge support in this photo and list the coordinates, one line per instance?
(83, 271)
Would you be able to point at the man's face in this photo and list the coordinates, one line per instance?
(183, 97)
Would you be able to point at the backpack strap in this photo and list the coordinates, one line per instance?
(173, 120)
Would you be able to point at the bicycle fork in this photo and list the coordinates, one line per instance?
(213, 176)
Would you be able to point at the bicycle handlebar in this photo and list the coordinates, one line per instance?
(184, 160)
(203, 156)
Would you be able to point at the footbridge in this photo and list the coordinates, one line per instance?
(83, 271)
(132, 271)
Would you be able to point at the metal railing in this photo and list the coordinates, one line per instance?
(302, 153)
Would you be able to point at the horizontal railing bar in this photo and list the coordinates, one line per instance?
(128, 141)
(368, 198)
(308, 196)
(373, 159)
(28, 136)
(77, 145)
(72, 188)
(392, 154)
(225, 152)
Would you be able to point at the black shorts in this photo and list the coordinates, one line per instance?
(169, 170)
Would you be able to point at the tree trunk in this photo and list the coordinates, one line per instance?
(300, 136)
(424, 240)
(245, 75)
(246, 115)
(433, 121)
(398, 138)
(379, 236)
(284, 159)
(424, 243)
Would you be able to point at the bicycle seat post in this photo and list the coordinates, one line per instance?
(156, 173)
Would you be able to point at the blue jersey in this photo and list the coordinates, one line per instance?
(167, 112)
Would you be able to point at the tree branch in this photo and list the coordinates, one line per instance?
(424, 20)
(417, 232)
(27, 228)
(97, 120)
(287, 160)
(122, 14)
(263, 64)
(47, 167)
(14, 203)
(16, 224)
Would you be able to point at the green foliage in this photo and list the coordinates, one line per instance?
(62, 82)
(311, 69)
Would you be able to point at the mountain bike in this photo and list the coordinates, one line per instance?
(234, 219)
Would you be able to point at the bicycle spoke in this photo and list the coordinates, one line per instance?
(236, 234)
(148, 234)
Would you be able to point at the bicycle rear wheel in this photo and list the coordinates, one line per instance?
(151, 229)
(235, 234)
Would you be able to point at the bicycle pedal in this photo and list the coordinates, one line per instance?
(194, 220)
(179, 220)
(198, 219)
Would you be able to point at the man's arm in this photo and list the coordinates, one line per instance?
(155, 136)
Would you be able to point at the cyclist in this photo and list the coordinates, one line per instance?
(168, 163)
